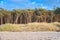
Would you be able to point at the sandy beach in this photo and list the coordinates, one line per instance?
(29, 35)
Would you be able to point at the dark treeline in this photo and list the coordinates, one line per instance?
(23, 16)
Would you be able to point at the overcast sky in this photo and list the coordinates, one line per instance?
(11, 4)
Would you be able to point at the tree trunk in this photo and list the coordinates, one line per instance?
(20, 19)
(44, 18)
(16, 20)
(5, 20)
(51, 19)
(1, 20)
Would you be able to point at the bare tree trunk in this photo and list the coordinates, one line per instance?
(1, 20)
(11, 20)
(16, 21)
(57, 18)
(41, 18)
(26, 19)
(20, 19)
(29, 19)
(51, 18)
(44, 18)
(8, 20)
(5, 20)
(52, 15)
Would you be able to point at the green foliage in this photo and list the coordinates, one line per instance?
(57, 10)
(24, 16)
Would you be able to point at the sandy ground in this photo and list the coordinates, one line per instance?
(29, 35)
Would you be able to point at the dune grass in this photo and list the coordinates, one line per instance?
(30, 27)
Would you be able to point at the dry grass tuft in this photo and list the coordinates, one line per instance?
(31, 27)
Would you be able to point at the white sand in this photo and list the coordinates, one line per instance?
(29, 35)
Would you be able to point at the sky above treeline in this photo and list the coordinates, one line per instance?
(22, 4)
